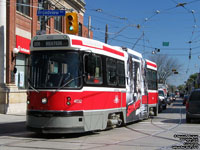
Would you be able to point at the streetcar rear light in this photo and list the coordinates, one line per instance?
(187, 105)
(44, 100)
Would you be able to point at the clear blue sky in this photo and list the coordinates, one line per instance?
(160, 21)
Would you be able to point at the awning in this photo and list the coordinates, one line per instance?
(23, 44)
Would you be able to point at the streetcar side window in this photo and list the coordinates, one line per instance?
(121, 73)
(93, 69)
(111, 68)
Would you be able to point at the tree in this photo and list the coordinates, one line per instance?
(181, 88)
(165, 66)
(192, 82)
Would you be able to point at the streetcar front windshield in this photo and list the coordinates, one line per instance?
(55, 69)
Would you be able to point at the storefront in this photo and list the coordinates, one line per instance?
(22, 45)
(13, 95)
(18, 24)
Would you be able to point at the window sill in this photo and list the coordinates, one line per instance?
(24, 15)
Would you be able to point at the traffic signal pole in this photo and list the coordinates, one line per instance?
(89, 26)
(43, 18)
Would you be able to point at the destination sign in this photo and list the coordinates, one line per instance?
(50, 43)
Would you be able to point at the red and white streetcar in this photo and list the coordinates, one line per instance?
(79, 84)
(151, 76)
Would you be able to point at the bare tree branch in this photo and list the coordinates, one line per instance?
(165, 66)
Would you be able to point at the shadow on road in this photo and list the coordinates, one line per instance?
(18, 129)
(13, 127)
(58, 136)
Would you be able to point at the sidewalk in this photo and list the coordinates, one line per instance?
(8, 118)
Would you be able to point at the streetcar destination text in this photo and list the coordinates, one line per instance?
(50, 43)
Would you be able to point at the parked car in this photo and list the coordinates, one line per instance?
(193, 105)
(162, 98)
(185, 99)
(160, 107)
(171, 98)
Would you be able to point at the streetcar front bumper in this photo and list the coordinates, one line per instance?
(55, 121)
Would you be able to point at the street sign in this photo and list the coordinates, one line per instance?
(165, 43)
(44, 12)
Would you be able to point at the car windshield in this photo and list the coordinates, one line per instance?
(160, 93)
(53, 69)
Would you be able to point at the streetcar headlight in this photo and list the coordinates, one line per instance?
(28, 102)
(44, 100)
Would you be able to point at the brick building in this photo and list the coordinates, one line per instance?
(18, 24)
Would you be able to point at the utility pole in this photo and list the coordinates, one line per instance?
(3, 42)
(89, 26)
(106, 34)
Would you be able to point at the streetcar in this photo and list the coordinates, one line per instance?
(78, 85)
(151, 77)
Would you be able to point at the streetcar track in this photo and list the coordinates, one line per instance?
(158, 133)
(159, 125)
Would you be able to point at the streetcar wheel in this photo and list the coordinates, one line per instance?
(155, 110)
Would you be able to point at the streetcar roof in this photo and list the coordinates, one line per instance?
(151, 64)
(76, 42)
(129, 51)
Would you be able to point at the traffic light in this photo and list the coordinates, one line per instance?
(72, 23)
(173, 70)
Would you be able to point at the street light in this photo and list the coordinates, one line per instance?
(156, 51)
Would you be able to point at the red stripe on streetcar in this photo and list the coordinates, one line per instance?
(105, 48)
(77, 42)
(87, 100)
(151, 64)
(112, 51)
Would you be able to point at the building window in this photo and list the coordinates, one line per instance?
(58, 23)
(80, 29)
(23, 6)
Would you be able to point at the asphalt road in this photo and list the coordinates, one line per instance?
(166, 131)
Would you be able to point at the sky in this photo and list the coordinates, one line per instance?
(143, 25)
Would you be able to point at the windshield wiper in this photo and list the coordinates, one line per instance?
(30, 85)
(68, 82)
